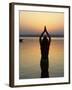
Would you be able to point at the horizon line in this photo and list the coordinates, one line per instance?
(39, 35)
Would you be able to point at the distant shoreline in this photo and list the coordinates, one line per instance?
(39, 35)
(54, 38)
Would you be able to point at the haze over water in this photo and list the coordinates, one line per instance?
(30, 56)
(32, 23)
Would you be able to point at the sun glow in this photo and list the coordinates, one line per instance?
(35, 21)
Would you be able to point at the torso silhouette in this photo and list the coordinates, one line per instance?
(44, 40)
(44, 44)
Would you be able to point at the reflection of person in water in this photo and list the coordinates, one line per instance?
(45, 40)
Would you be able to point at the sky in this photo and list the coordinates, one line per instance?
(31, 22)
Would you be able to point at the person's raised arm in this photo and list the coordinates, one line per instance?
(48, 35)
(43, 32)
(41, 35)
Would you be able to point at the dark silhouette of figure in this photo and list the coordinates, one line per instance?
(20, 40)
(44, 40)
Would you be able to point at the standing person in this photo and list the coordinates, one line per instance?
(44, 40)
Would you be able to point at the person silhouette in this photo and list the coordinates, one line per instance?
(44, 40)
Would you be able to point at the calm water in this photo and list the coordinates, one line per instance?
(29, 58)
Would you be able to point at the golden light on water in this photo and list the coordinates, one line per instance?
(29, 49)
(30, 57)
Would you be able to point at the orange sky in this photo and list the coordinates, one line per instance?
(35, 21)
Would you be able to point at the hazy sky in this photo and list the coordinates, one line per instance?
(34, 22)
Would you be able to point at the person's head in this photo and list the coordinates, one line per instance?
(45, 37)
